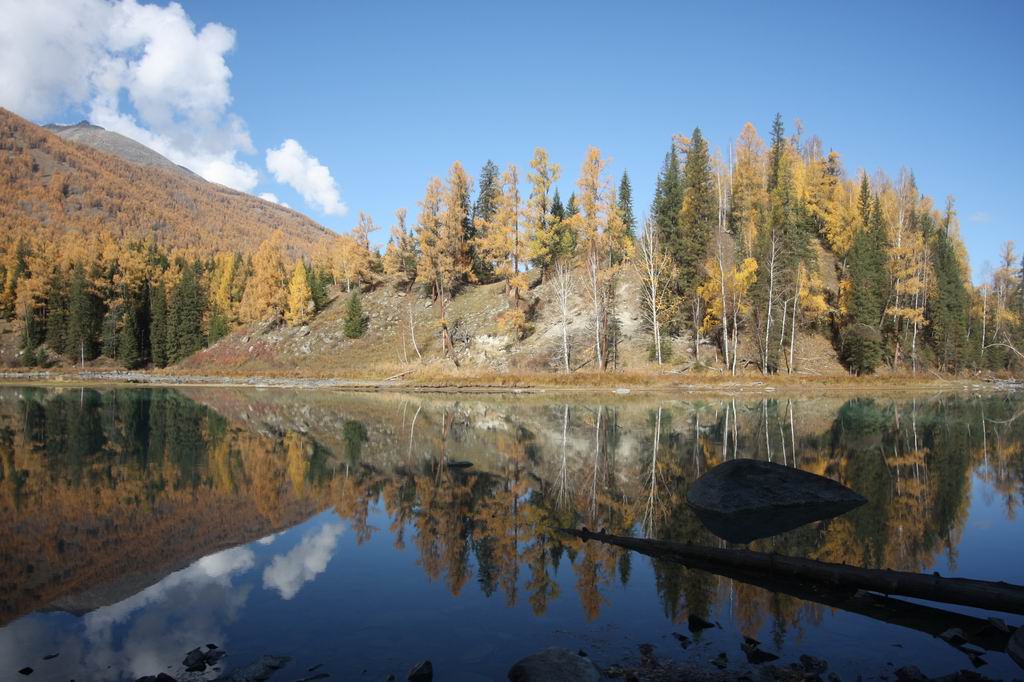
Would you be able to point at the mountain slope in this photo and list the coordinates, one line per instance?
(115, 144)
(52, 188)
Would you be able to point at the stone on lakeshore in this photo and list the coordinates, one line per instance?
(554, 665)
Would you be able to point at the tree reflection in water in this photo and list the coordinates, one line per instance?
(98, 484)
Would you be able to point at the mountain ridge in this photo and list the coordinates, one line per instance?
(59, 182)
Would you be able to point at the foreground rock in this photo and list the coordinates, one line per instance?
(554, 665)
(421, 672)
(1016, 647)
(742, 500)
(256, 672)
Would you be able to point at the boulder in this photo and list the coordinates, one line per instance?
(422, 672)
(742, 500)
(258, 671)
(554, 665)
(1016, 647)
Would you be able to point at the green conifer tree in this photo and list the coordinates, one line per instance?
(948, 308)
(186, 308)
(219, 326)
(626, 204)
(667, 206)
(30, 337)
(317, 282)
(557, 208)
(864, 202)
(355, 318)
(776, 153)
(697, 215)
(489, 191)
(129, 350)
(158, 324)
(862, 343)
(56, 321)
(84, 315)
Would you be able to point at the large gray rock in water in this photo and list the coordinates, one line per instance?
(745, 499)
(554, 665)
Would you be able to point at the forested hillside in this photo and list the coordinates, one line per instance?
(753, 258)
(74, 197)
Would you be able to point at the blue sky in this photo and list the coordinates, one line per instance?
(386, 95)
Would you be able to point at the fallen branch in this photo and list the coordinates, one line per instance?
(400, 374)
(995, 596)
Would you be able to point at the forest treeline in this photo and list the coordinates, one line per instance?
(763, 243)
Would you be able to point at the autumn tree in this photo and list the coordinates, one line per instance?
(443, 262)
(300, 298)
(402, 251)
(749, 195)
(266, 291)
(594, 243)
(503, 247)
(543, 217)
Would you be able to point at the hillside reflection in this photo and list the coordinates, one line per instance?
(110, 495)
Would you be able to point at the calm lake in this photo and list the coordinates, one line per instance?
(350, 531)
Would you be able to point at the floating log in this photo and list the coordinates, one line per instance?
(994, 596)
(982, 632)
(742, 500)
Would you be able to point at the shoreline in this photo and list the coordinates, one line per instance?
(610, 383)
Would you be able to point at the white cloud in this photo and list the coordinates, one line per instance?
(272, 198)
(304, 562)
(979, 217)
(96, 54)
(215, 568)
(292, 166)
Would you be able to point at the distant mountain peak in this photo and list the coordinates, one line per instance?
(119, 145)
(83, 124)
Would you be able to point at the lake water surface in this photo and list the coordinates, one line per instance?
(349, 530)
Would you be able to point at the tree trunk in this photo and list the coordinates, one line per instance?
(983, 594)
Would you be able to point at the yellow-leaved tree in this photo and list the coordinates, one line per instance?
(749, 187)
(266, 292)
(444, 260)
(502, 246)
(541, 224)
(732, 306)
(300, 298)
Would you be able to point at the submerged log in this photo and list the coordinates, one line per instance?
(994, 596)
(742, 500)
(989, 634)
